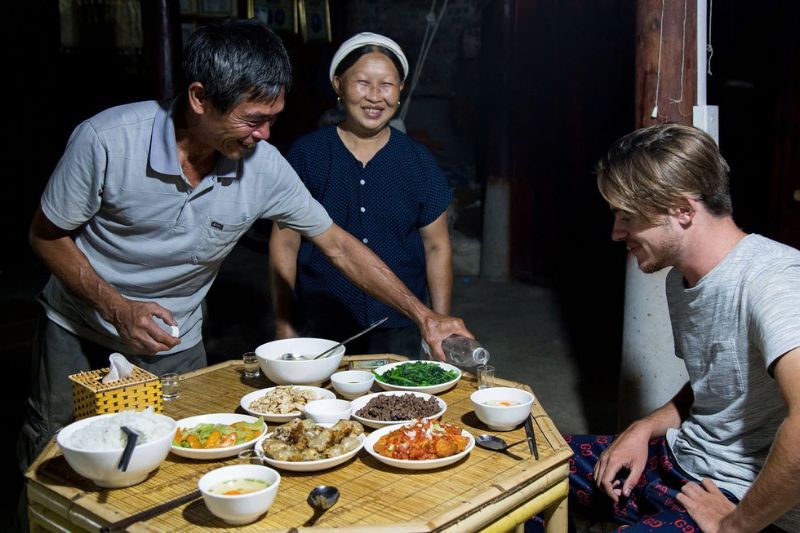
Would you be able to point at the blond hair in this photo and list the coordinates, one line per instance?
(654, 169)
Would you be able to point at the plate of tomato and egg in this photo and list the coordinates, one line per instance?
(423, 438)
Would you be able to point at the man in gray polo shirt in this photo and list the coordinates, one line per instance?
(147, 201)
(722, 455)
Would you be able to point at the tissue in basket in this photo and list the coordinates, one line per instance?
(93, 397)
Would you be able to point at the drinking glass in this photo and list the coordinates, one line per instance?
(251, 368)
(169, 386)
(485, 376)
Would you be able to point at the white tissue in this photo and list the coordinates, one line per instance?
(120, 368)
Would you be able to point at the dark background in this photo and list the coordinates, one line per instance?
(550, 86)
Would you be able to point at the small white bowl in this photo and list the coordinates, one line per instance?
(304, 372)
(500, 417)
(328, 411)
(240, 508)
(351, 384)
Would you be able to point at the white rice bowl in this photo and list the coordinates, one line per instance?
(93, 446)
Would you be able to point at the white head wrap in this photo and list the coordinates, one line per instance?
(361, 39)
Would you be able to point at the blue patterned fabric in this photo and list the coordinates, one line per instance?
(383, 204)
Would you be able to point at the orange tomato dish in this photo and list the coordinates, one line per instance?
(424, 439)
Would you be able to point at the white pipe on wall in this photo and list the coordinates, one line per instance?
(702, 43)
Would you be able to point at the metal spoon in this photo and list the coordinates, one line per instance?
(493, 442)
(289, 356)
(321, 498)
(128, 451)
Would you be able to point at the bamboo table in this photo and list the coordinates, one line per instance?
(485, 491)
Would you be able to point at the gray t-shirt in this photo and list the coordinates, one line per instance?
(146, 230)
(729, 329)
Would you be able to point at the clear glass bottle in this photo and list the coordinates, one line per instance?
(461, 351)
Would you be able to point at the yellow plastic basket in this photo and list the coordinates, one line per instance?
(93, 397)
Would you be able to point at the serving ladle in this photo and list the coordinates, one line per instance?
(493, 442)
(290, 356)
(321, 498)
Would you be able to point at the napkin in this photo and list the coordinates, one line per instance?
(120, 368)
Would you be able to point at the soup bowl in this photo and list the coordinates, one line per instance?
(502, 408)
(238, 509)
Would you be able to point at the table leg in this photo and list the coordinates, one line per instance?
(555, 516)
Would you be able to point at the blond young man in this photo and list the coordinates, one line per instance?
(721, 455)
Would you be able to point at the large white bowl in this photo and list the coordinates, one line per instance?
(359, 403)
(247, 399)
(240, 508)
(101, 466)
(430, 389)
(502, 418)
(427, 464)
(215, 453)
(307, 372)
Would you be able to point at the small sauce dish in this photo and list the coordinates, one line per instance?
(328, 411)
(351, 384)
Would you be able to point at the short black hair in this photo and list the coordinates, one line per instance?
(237, 60)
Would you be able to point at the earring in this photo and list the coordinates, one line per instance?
(398, 102)
(338, 99)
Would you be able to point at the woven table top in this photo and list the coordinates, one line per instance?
(373, 495)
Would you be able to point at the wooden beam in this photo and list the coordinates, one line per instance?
(665, 29)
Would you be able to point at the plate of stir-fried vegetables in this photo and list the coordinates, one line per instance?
(430, 377)
(215, 436)
(421, 445)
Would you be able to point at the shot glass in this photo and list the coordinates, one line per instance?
(251, 368)
(485, 376)
(169, 386)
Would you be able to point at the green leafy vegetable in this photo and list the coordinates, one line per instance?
(417, 374)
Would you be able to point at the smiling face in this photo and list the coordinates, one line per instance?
(655, 247)
(370, 93)
(237, 132)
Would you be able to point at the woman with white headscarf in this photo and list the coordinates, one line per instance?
(382, 187)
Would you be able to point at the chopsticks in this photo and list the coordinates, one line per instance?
(150, 513)
(531, 437)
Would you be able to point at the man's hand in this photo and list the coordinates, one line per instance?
(435, 328)
(629, 450)
(136, 327)
(706, 505)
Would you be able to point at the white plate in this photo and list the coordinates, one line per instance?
(307, 466)
(430, 389)
(214, 453)
(247, 399)
(409, 464)
(361, 401)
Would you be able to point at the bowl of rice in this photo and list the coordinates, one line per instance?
(93, 446)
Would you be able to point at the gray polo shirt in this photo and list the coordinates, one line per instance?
(145, 230)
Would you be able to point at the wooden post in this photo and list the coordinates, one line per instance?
(668, 27)
(650, 374)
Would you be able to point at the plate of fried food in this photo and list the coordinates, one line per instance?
(421, 445)
(305, 446)
(283, 403)
(216, 436)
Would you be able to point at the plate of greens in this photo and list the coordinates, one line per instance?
(430, 377)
